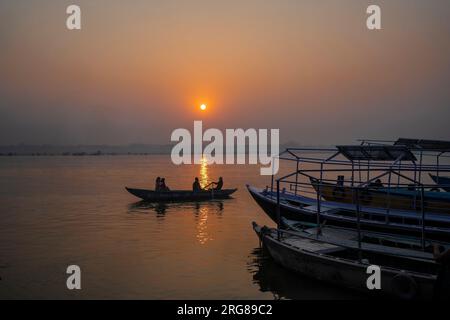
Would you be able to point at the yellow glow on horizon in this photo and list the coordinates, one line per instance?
(203, 107)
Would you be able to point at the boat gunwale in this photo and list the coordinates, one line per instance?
(184, 191)
(400, 213)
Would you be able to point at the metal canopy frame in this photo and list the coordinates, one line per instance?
(376, 153)
(370, 156)
(425, 145)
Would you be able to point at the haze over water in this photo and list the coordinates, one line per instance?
(138, 70)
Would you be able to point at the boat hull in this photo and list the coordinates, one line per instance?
(180, 195)
(342, 272)
(269, 206)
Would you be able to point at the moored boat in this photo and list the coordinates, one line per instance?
(180, 195)
(400, 277)
(305, 209)
(381, 187)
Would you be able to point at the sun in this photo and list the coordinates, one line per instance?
(203, 107)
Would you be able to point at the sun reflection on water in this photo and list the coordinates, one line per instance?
(204, 178)
(202, 226)
(202, 222)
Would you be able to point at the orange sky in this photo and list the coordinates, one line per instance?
(139, 69)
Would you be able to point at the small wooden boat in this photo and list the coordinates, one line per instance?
(401, 277)
(442, 182)
(180, 195)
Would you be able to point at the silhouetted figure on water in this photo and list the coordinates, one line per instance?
(160, 184)
(164, 187)
(219, 184)
(196, 185)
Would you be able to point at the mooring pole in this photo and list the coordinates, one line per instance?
(389, 197)
(422, 195)
(437, 164)
(358, 220)
(353, 174)
(278, 209)
(318, 212)
(271, 188)
(420, 166)
(296, 179)
(319, 196)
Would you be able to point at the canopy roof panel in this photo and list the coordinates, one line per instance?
(377, 152)
(422, 144)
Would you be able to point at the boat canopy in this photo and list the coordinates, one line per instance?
(376, 152)
(426, 145)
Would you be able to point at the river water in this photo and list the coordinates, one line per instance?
(58, 211)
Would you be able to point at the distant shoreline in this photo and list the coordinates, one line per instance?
(83, 150)
(77, 154)
(100, 150)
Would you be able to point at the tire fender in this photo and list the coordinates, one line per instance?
(404, 286)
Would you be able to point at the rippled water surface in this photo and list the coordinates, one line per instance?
(58, 211)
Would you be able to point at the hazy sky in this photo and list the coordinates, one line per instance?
(139, 69)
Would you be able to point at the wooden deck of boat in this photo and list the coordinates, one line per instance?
(312, 245)
(352, 234)
(309, 244)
